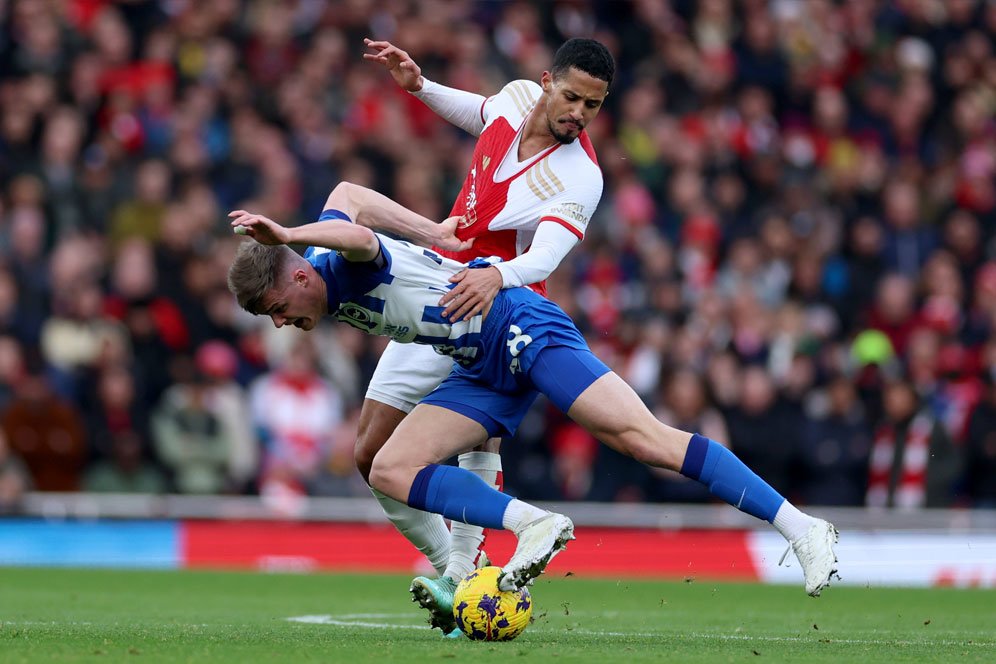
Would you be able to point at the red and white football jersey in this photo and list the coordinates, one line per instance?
(504, 201)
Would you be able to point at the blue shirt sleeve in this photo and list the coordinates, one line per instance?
(349, 280)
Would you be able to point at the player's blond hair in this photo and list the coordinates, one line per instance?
(255, 270)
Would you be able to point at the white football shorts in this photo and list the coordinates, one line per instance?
(407, 372)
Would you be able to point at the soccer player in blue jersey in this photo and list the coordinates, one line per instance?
(518, 346)
(532, 185)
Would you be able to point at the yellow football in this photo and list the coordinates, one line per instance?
(485, 613)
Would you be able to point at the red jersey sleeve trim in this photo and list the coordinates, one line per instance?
(588, 148)
(565, 224)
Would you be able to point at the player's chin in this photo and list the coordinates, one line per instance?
(567, 137)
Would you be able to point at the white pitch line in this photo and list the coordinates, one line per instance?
(344, 621)
(45, 622)
(350, 621)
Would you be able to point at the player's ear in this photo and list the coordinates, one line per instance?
(546, 80)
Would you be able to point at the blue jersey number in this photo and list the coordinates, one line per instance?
(433, 255)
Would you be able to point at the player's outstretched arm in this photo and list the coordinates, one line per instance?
(458, 107)
(376, 211)
(355, 242)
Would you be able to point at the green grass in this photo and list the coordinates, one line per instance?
(103, 616)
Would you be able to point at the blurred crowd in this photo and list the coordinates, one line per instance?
(794, 252)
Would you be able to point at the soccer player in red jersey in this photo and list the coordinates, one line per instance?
(531, 189)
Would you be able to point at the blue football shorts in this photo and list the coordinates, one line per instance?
(530, 346)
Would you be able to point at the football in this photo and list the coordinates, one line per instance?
(485, 613)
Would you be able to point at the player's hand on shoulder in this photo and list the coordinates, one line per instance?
(262, 229)
(446, 237)
(403, 69)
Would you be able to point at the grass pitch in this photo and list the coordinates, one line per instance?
(61, 615)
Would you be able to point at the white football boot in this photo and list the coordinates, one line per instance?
(816, 555)
(538, 543)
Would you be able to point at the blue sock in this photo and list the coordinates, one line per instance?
(728, 478)
(459, 495)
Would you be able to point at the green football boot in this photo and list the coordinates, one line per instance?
(436, 596)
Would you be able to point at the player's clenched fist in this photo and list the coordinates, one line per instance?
(406, 73)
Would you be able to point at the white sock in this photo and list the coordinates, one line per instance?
(518, 515)
(425, 530)
(792, 523)
(466, 539)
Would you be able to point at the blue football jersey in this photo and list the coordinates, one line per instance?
(398, 296)
(493, 382)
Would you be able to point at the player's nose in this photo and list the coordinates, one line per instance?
(278, 320)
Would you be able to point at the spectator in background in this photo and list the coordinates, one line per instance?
(763, 162)
(913, 462)
(125, 469)
(294, 411)
(217, 362)
(75, 336)
(980, 447)
(908, 241)
(963, 238)
(62, 142)
(47, 433)
(337, 475)
(115, 407)
(685, 405)
(11, 368)
(833, 454)
(748, 270)
(23, 250)
(154, 322)
(865, 265)
(141, 216)
(762, 432)
(894, 312)
(11, 321)
(191, 440)
(14, 478)
(980, 318)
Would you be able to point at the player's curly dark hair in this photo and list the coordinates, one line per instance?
(586, 55)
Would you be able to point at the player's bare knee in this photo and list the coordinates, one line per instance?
(374, 428)
(383, 476)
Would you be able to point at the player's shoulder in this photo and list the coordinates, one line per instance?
(578, 159)
(522, 86)
(517, 98)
